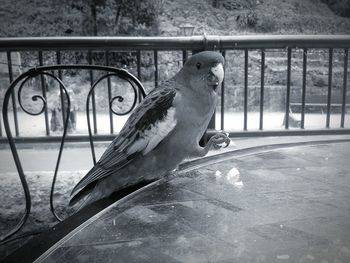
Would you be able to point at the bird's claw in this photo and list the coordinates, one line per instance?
(218, 139)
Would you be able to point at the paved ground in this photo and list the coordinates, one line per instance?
(233, 121)
(270, 205)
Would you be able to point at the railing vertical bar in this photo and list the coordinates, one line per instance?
(93, 93)
(245, 124)
(303, 92)
(111, 127)
(329, 95)
(289, 61)
(43, 87)
(58, 59)
(0, 126)
(262, 85)
(156, 68)
(223, 99)
(13, 97)
(138, 61)
(184, 56)
(345, 80)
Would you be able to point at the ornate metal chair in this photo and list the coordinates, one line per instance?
(54, 73)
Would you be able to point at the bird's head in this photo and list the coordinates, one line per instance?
(204, 70)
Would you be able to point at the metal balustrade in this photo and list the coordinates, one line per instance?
(224, 44)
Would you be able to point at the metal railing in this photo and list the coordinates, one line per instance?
(224, 44)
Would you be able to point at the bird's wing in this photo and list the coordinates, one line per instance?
(147, 126)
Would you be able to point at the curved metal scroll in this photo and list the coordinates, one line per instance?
(45, 70)
(10, 92)
(7, 97)
(136, 86)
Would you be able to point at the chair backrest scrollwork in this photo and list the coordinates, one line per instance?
(48, 72)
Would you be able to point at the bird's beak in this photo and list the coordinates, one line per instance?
(216, 75)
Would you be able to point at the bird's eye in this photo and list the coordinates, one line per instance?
(198, 65)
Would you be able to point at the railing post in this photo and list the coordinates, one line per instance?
(289, 61)
(0, 126)
(223, 53)
(138, 62)
(111, 128)
(43, 87)
(155, 54)
(184, 56)
(245, 120)
(13, 96)
(93, 93)
(345, 78)
(262, 86)
(303, 95)
(329, 94)
(58, 59)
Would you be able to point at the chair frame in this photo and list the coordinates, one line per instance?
(20, 82)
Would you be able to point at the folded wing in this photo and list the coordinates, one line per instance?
(150, 123)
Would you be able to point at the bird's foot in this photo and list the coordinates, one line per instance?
(219, 140)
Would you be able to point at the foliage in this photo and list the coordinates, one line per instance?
(266, 24)
(234, 4)
(340, 7)
(247, 19)
(137, 17)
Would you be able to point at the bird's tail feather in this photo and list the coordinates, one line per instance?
(85, 181)
(87, 196)
(84, 192)
(89, 199)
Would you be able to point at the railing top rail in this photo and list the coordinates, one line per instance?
(175, 43)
